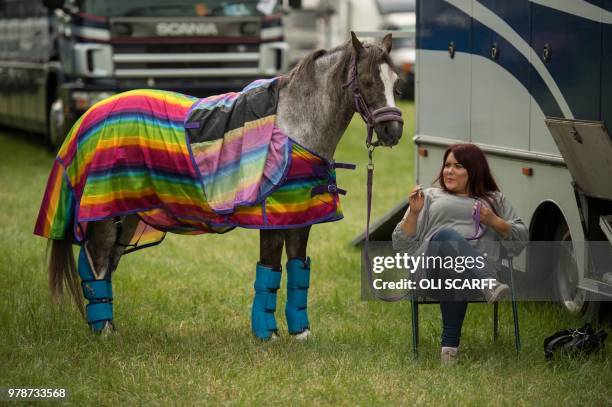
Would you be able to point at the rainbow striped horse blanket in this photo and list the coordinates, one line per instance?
(186, 165)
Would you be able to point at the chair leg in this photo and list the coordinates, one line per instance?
(415, 327)
(515, 317)
(517, 335)
(495, 321)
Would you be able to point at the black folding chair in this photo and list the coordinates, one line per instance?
(506, 276)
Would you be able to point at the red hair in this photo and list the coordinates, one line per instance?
(481, 183)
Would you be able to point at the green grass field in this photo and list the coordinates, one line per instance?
(182, 311)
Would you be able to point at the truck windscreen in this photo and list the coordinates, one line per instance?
(171, 8)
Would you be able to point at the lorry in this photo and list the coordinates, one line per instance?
(529, 82)
(59, 57)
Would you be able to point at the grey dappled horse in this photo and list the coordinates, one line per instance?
(316, 102)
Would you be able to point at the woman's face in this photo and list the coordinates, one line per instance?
(455, 176)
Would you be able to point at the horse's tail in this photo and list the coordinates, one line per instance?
(62, 270)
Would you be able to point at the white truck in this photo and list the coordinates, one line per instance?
(530, 82)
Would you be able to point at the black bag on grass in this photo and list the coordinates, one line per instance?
(574, 342)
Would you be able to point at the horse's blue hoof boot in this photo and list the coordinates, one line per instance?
(267, 282)
(296, 308)
(99, 294)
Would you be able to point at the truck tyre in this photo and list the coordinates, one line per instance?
(566, 277)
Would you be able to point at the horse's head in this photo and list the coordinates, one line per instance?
(373, 79)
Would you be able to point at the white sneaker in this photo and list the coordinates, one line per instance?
(496, 293)
(449, 355)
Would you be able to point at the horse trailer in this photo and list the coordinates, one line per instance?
(530, 82)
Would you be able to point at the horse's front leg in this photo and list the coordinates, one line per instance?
(98, 258)
(298, 281)
(267, 282)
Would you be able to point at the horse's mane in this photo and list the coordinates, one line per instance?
(305, 69)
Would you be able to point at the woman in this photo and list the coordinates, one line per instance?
(467, 216)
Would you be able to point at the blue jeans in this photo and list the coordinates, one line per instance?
(450, 243)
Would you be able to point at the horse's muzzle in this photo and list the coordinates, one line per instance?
(389, 133)
(388, 124)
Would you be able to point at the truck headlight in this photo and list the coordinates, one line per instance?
(83, 100)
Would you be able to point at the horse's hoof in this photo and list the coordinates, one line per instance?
(273, 336)
(302, 336)
(107, 330)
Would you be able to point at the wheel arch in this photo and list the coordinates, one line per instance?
(545, 219)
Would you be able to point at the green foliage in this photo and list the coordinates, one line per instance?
(182, 312)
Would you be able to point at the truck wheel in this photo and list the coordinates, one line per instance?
(574, 300)
(56, 132)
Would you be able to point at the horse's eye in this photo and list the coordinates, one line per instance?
(397, 90)
(366, 81)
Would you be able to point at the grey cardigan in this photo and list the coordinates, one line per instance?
(445, 210)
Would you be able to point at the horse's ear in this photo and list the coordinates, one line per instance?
(356, 43)
(387, 43)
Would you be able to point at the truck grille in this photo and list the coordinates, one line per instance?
(155, 47)
(182, 48)
(184, 60)
(164, 60)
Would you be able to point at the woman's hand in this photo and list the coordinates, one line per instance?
(489, 218)
(416, 199)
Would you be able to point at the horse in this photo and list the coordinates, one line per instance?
(315, 103)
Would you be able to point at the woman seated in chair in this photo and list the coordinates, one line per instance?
(467, 216)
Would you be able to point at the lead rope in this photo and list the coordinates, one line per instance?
(366, 247)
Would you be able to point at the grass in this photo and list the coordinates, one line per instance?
(182, 311)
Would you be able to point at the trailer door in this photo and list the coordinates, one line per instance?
(568, 48)
(443, 70)
(500, 74)
(586, 147)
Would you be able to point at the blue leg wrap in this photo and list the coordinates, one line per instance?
(296, 308)
(267, 282)
(99, 294)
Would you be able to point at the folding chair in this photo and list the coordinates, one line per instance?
(507, 276)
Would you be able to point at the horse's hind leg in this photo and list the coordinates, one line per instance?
(298, 281)
(98, 258)
(267, 282)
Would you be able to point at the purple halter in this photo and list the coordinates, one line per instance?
(383, 114)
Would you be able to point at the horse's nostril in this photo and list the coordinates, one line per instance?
(393, 128)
